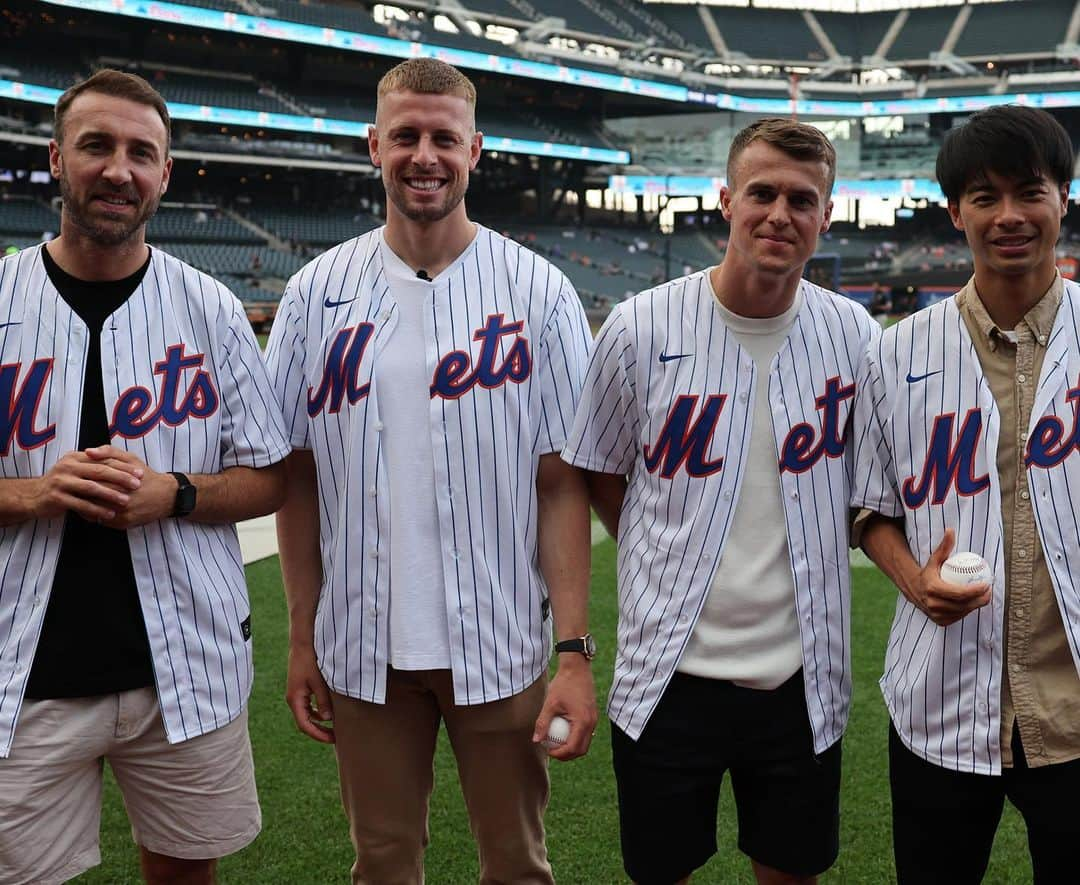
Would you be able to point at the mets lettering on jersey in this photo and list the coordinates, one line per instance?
(925, 451)
(668, 400)
(186, 390)
(508, 345)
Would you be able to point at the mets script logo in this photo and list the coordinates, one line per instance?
(341, 377)
(455, 375)
(684, 440)
(504, 357)
(1049, 444)
(950, 462)
(21, 403)
(136, 413)
(803, 448)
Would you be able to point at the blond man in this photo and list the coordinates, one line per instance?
(429, 372)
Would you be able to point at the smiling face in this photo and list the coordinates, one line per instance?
(777, 206)
(1012, 225)
(426, 146)
(113, 168)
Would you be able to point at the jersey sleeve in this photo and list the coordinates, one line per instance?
(561, 362)
(874, 484)
(285, 360)
(252, 432)
(608, 423)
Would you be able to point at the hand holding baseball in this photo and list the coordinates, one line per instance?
(943, 591)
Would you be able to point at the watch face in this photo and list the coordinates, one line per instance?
(590, 645)
(185, 500)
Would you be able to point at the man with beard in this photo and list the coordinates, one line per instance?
(136, 432)
(429, 371)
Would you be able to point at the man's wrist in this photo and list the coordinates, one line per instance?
(581, 645)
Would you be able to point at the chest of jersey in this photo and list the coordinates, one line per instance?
(699, 407)
(489, 357)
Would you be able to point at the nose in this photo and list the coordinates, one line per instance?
(424, 153)
(118, 169)
(1010, 212)
(779, 213)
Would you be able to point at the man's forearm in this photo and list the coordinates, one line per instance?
(238, 493)
(298, 546)
(884, 542)
(17, 498)
(606, 494)
(563, 539)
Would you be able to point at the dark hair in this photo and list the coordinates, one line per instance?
(118, 84)
(1009, 140)
(798, 140)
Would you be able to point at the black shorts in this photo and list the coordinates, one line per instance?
(944, 821)
(787, 798)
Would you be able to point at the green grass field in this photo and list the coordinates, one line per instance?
(305, 839)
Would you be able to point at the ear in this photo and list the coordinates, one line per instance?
(1065, 197)
(56, 165)
(475, 147)
(373, 146)
(725, 202)
(828, 217)
(954, 214)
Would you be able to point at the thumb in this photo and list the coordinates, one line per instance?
(948, 540)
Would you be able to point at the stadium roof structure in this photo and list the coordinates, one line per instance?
(771, 56)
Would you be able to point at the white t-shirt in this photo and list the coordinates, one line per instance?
(748, 631)
(419, 631)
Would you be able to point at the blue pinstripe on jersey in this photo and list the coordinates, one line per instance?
(486, 443)
(943, 685)
(672, 531)
(190, 576)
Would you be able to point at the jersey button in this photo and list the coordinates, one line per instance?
(372, 492)
(378, 425)
(374, 553)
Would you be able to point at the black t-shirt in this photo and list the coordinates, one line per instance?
(94, 637)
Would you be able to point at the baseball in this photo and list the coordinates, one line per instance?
(967, 568)
(558, 732)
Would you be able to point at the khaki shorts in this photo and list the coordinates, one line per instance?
(193, 800)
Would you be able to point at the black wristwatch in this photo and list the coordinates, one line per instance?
(583, 645)
(185, 496)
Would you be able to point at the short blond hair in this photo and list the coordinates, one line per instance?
(428, 76)
(798, 140)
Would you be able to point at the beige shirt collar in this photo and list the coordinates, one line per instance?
(1040, 319)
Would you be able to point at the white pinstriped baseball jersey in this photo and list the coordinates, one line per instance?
(926, 452)
(187, 390)
(507, 347)
(668, 400)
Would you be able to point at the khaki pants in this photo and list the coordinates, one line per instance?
(385, 754)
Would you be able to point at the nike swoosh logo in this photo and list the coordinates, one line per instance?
(668, 357)
(15, 323)
(912, 379)
(329, 303)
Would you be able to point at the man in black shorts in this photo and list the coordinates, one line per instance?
(714, 425)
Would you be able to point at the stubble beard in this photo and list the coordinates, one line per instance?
(99, 231)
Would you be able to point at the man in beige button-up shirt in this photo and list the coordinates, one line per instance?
(981, 681)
